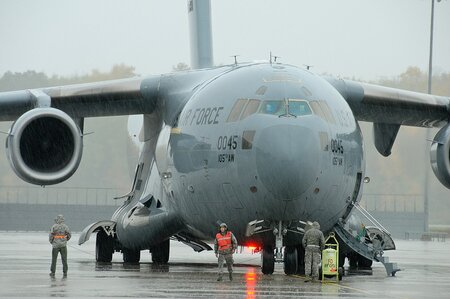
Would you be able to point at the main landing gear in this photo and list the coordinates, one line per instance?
(105, 246)
(160, 254)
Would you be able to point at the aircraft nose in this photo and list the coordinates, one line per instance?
(287, 159)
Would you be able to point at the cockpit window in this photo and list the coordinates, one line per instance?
(243, 108)
(281, 107)
(236, 111)
(322, 109)
(251, 108)
(272, 107)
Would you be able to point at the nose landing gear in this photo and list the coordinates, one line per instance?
(292, 256)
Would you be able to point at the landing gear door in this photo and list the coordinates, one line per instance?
(162, 149)
(137, 183)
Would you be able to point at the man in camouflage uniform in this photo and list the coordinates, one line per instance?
(225, 245)
(58, 237)
(313, 242)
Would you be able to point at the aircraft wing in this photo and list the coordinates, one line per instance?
(108, 98)
(45, 142)
(384, 105)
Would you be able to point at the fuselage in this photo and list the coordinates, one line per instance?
(255, 142)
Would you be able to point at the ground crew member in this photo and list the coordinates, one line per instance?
(225, 245)
(313, 242)
(58, 237)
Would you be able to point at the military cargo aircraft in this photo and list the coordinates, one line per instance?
(265, 147)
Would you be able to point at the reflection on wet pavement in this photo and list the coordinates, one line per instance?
(250, 283)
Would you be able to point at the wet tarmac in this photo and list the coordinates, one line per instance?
(25, 262)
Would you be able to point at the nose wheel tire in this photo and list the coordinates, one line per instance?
(290, 260)
(267, 260)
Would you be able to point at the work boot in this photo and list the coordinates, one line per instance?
(231, 276)
(65, 274)
(52, 274)
(219, 278)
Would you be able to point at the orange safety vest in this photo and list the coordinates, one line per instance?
(59, 236)
(224, 242)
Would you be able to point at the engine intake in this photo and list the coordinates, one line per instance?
(44, 146)
(440, 155)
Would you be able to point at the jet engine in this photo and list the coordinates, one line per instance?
(44, 146)
(440, 155)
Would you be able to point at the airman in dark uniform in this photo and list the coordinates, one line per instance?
(58, 237)
(313, 242)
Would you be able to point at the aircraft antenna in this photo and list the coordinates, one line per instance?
(274, 57)
(235, 58)
(308, 66)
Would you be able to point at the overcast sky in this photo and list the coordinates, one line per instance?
(365, 39)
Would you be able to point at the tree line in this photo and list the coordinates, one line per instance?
(413, 78)
(32, 79)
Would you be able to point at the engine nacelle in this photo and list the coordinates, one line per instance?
(440, 155)
(44, 146)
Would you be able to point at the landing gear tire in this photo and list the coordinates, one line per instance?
(290, 260)
(300, 260)
(131, 255)
(353, 261)
(104, 247)
(160, 253)
(267, 260)
(340, 273)
(364, 262)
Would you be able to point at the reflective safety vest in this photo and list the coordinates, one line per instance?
(224, 241)
(59, 236)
